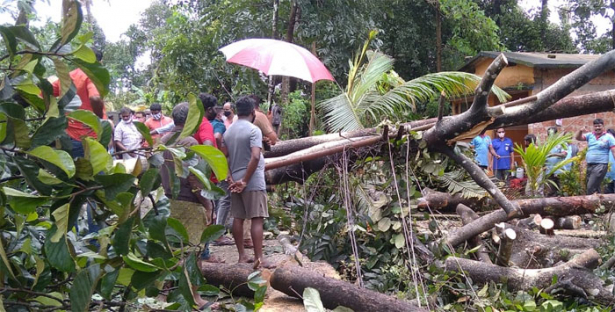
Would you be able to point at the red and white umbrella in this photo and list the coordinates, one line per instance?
(277, 58)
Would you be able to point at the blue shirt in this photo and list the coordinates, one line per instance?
(598, 148)
(218, 126)
(481, 149)
(611, 173)
(504, 148)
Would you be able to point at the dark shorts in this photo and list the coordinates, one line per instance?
(249, 204)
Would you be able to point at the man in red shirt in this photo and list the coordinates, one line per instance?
(158, 120)
(205, 133)
(90, 100)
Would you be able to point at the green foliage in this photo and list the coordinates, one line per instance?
(534, 159)
(43, 189)
(572, 182)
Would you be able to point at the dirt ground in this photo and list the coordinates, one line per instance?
(276, 301)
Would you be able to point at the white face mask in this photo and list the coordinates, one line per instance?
(129, 121)
(501, 135)
(157, 116)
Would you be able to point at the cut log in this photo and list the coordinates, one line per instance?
(334, 293)
(574, 271)
(533, 250)
(553, 206)
(233, 277)
(546, 226)
(532, 222)
(467, 215)
(568, 223)
(507, 236)
(608, 264)
(436, 200)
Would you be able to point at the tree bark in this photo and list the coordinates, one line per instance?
(572, 275)
(553, 206)
(467, 216)
(532, 250)
(233, 277)
(333, 293)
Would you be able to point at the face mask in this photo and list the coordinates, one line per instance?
(129, 121)
(501, 135)
(157, 116)
(227, 113)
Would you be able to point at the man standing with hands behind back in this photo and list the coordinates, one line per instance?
(244, 142)
(502, 150)
(599, 143)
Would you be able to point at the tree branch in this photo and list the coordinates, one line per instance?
(33, 52)
(482, 179)
(483, 89)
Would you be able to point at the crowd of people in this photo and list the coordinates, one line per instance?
(240, 130)
(599, 158)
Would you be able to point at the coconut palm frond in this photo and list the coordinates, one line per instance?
(340, 114)
(454, 182)
(424, 88)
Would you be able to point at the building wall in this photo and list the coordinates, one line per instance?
(510, 75)
(546, 77)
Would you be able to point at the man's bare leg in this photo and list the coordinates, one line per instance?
(257, 239)
(238, 236)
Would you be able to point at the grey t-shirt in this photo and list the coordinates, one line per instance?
(239, 138)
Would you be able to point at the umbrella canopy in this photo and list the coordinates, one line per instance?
(277, 58)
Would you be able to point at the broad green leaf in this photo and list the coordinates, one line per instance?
(58, 158)
(148, 180)
(97, 155)
(121, 238)
(50, 130)
(83, 287)
(60, 216)
(40, 267)
(144, 130)
(23, 34)
(6, 264)
(195, 116)
(29, 170)
(84, 169)
(13, 110)
(48, 178)
(88, 118)
(121, 206)
(53, 111)
(50, 302)
(20, 132)
(194, 273)
(311, 300)
(28, 86)
(384, 224)
(58, 254)
(174, 225)
(63, 74)
(134, 262)
(141, 280)
(28, 67)
(115, 184)
(71, 21)
(214, 194)
(108, 282)
(107, 133)
(125, 276)
(3, 126)
(85, 54)
(24, 203)
(212, 232)
(97, 73)
(185, 287)
(9, 40)
(204, 180)
(158, 229)
(214, 158)
(399, 240)
(85, 37)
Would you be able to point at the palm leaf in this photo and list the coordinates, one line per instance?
(454, 182)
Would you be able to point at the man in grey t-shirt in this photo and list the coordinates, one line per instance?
(248, 197)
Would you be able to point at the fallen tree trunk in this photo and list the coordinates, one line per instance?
(334, 293)
(533, 250)
(551, 206)
(568, 107)
(467, 216)
(572, 275)
(233, 277)
(436, 200)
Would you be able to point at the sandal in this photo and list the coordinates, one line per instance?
(223, 241)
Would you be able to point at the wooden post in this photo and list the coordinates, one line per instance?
(313, 111)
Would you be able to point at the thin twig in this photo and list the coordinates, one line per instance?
(11, 178)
